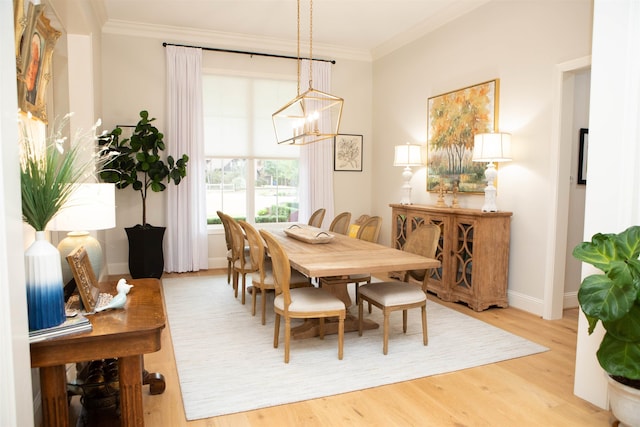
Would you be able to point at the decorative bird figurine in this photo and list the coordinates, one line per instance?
(120, 299)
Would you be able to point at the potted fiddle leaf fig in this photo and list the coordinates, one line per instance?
(138, 162)
(613, 298)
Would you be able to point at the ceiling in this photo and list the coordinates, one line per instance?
(370, 27)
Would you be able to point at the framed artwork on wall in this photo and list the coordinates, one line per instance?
(582, 156)
(347, 153)
(19, 25)
(453, 119)
(36, 50)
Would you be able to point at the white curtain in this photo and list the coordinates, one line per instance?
(185, 243)
(316, 159)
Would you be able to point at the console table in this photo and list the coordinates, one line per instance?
(126, 334)
(473, 251)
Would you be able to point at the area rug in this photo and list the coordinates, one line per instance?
(226, 361)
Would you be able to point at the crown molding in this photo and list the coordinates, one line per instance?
(224, 40)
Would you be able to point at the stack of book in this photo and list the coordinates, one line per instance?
(72, 325)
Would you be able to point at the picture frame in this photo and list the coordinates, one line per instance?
(36, 51)
(19, 25)
(85, 278)
(453, 118)
(583, 152)
(347, 153)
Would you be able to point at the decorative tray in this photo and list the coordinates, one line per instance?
(308, 235)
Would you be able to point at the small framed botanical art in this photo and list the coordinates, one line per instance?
(582, 156)
(36, 48)
(453, 119)
(85, 278)
(347, 153)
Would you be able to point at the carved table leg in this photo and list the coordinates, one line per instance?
(53, 385)
(131, 410)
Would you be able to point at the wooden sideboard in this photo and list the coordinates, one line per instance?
(473, 251)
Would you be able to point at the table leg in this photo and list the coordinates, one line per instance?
(53, 388)
(131, 410)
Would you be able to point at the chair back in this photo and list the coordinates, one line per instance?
(340, 223)
(422, 241)
(370, 229)
(280, 266)
(237, 241)
(317, 217)
(227, 233)
(256, 247)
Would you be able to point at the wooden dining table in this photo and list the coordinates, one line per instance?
(343, 255)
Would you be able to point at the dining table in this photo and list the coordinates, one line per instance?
(334, 254)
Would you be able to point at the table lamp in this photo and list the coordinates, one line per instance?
(407, 155)
(90, 207)
(491, 147)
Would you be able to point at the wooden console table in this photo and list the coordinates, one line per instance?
(126, 334)
(473, 250)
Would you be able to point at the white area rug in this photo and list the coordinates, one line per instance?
(227, 363)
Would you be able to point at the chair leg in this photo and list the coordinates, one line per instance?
(263, 295)
(360, 317)
(235, 283)
(276, 331)
(287, 338)
(244, 286)
(404, 321)
(340, 337)
(385, 332)
(229, 273)
(425, 336)
(253, 300)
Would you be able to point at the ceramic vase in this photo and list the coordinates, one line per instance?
(45, 291)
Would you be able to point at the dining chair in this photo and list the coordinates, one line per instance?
(228, 240)
(241, 264)
(317, 217)
(263, 279)
(402, 295)
(353, 228)
(340, 223)
(299, 303)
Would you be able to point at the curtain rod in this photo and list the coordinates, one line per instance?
(165, 44)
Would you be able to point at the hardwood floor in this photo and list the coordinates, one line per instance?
(530, 391)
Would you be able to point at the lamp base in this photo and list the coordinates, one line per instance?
(490, 190)
(406, 187)
(91, 245)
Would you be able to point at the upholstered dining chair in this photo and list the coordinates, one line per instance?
(300, 303)
(317, 217)
(396, 295)
(340, 223)
(228, 240)
(241, 264)
(262, 280)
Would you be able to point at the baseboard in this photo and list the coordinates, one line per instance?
(116, 269)
(525, 303)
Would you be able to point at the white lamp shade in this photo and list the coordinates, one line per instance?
(492, 147)
(90, 207)
(408, 155)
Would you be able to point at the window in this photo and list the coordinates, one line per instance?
(248, 174)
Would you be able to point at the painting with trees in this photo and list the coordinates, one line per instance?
(453, 119)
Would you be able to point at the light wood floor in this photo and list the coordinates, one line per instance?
(531, 391)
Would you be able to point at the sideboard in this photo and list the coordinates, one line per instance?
(473, 251)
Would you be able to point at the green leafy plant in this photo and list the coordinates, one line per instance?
(137, 161)
(614, 299)
(47, 173)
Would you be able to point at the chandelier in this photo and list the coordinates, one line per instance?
(313, 115)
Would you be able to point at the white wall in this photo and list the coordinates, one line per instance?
(16, 406)
(519, 43)
(134, 79)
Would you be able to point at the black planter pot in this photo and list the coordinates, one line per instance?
(146, 256)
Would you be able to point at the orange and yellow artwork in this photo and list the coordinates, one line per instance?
(453, 119)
